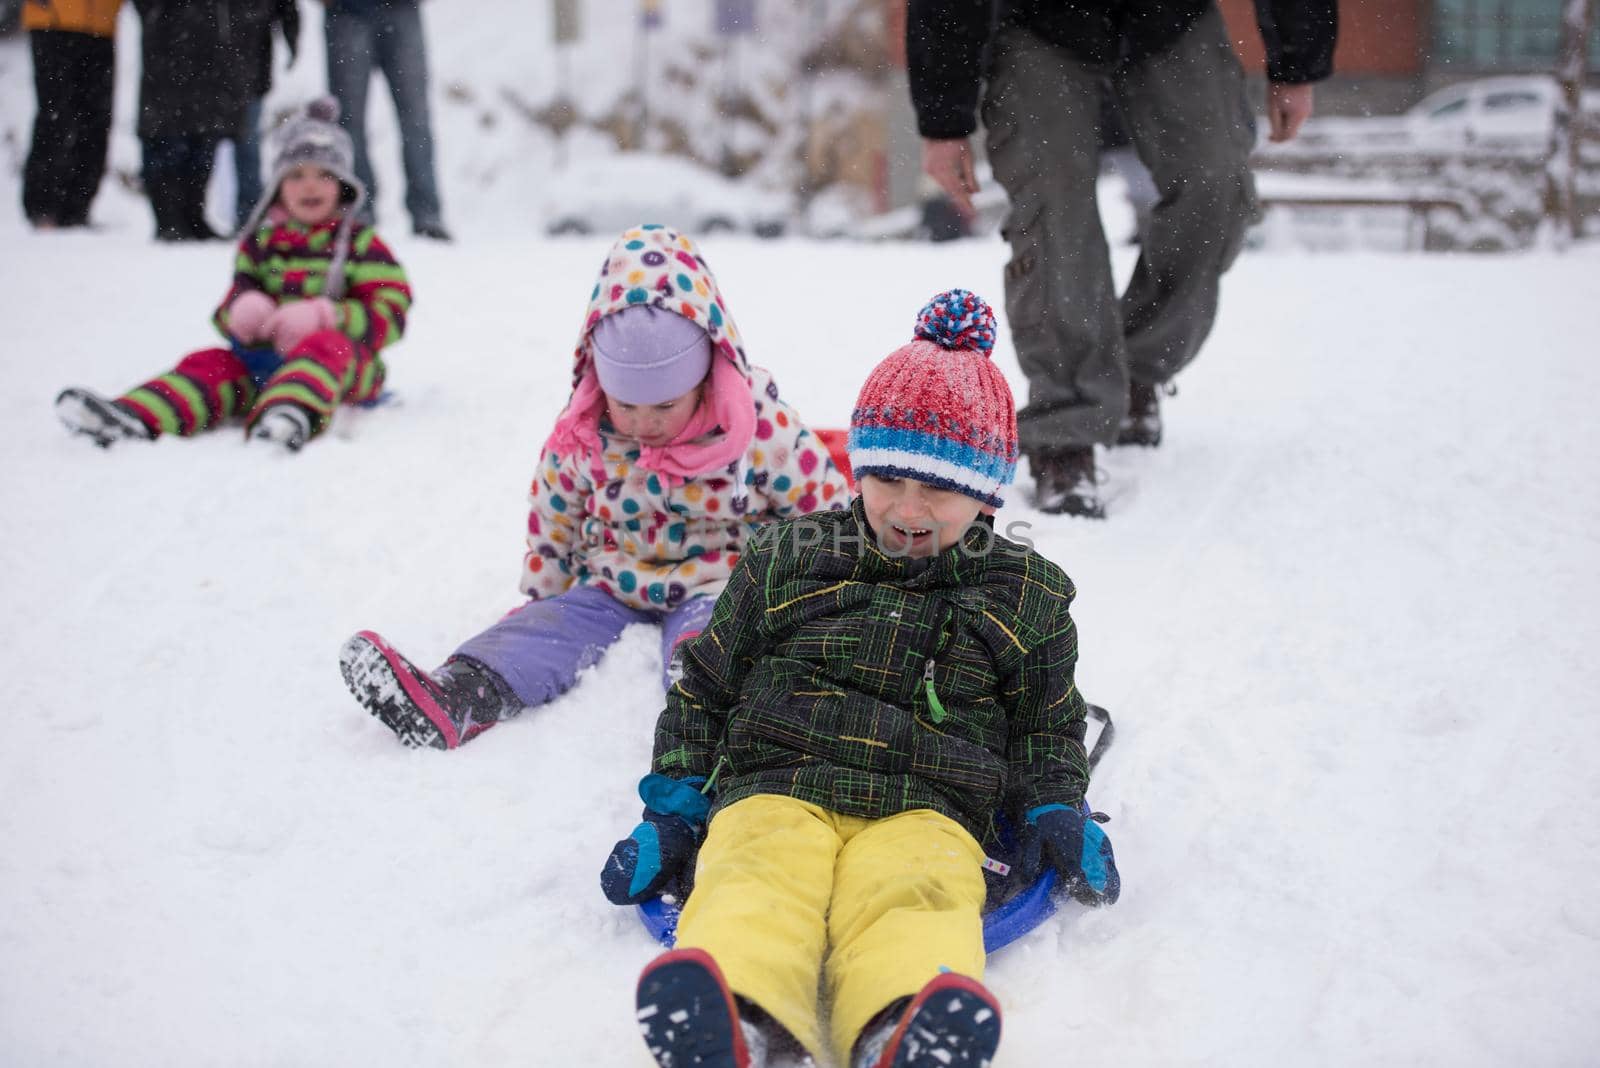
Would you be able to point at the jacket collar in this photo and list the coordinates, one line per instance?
(962, 563)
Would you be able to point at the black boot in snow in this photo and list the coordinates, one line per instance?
(1066, 483)
(285, 424)
(166, 204)
(100, 420)
(688, 1016)
(441, 708)
(953, 1022)
(1142, 424)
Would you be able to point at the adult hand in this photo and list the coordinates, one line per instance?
(949, 163)
(1288, 107)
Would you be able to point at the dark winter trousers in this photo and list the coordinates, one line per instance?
(177, 171)
(249, 187)
(72, 81)
(213, 385)
(1189, 119)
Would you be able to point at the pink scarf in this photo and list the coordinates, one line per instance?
(727, 404)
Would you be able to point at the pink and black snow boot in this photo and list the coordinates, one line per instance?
(687, 1014)
(441, 708)
(953, 1021)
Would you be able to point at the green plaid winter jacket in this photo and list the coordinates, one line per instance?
(871, 685)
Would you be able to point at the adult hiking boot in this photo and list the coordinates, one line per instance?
(1066, 482)
(1142, 424)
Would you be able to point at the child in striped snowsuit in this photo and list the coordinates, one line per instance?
(315, 298)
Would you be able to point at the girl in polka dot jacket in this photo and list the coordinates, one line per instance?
(671, 452)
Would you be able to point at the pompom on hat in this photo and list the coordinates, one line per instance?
(314, 136)
(937, 409)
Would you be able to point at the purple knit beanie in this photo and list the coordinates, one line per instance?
(646, 355)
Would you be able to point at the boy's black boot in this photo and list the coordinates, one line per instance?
(441, 709)
(688, 1016)
(1142, 424)
(953, 1022)
(1066, 482)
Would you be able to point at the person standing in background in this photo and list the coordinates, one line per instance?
(192, 94)
(1096, 361)
(73, 45)
(388, 34)
(257, 17)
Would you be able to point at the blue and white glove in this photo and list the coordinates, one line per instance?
(661, 848)
(1070, 840)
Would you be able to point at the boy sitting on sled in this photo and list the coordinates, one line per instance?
(873, 686)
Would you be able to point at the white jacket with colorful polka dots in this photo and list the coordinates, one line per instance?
(652, 541)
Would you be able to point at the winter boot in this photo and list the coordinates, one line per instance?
(283, 424)
(98, 419)
(1142, 424)
(953, 1021)
(442, 708)
(1066, 483)
(689, 1017)
(166, 203)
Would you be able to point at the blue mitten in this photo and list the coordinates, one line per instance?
(663, 846)
(1070, 840)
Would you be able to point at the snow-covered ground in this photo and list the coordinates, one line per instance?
(1345, 618)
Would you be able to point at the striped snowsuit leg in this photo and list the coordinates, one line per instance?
(206, 388)
(323, 370)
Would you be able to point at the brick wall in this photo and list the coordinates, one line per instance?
(1376, 37)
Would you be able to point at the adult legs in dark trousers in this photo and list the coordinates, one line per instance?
(247, 163)
(177, 170)
(390, 37)
(1079, 344)
(72, 79)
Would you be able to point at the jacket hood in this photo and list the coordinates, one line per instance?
(657, 266)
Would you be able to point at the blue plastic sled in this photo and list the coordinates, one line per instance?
(1002, 925)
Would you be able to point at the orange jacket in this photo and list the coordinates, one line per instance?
(98, 17)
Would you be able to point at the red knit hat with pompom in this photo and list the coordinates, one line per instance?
(937, 409)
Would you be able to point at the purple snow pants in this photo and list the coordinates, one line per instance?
(540, 648)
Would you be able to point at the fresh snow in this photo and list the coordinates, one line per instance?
(1345, 617)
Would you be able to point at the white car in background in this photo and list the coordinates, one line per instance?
(605, 195)
(1489, 110)
(1514, 112)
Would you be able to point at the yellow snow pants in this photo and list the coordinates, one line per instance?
(780, 884)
